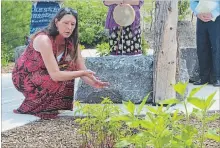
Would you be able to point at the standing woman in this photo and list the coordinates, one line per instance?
(45, 72)
(131, 42)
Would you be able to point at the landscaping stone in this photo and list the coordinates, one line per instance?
(192, 65)
(130, 78)
(187, 34)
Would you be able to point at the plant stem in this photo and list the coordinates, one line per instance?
(203, 128)
(187, 115)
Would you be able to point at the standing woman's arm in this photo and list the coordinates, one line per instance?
(132, 2)
(111, 2)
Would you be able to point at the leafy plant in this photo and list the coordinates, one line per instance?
(103, 49)
(144, 44)
(200, 112)
(183, 7)
(14, 27)
(81, 46)
(92, 15)
(95, 129)
(157, 128)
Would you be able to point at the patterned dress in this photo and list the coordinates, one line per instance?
(43, 96)
(123, 41)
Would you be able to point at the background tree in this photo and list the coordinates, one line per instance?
(165, 49)
(15, 24)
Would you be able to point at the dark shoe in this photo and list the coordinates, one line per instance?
(201, 82)
(216, 83)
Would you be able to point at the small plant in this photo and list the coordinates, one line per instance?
(82, 47)
(95, 129)
(103, 49)
(105, 125)
(144, 44)
(160, 128)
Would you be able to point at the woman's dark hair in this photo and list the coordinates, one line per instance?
(52, 29)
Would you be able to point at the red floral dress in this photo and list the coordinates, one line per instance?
(43, 96)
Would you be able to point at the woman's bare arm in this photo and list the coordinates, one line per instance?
(131, 2)
(91, 79)
(111, 2)
(43, 44)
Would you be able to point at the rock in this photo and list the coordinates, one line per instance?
(183, 76)
(192, 65)
(187, 34)
(18, 51)
(183, 72)
(130, 78)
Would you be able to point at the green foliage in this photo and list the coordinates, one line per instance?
(200, 112)
(103, 49)
(144, 44)
(158, 128)
(95, 128)
(183, 7)
(81, 46)
(15, 26)
(92, 15)
(6, 56)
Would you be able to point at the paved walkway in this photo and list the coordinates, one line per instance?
(11, 99)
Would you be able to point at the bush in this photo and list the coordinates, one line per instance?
(14, 27)
(106, 125)
(183, 9)
(92, 15)
(103, 49)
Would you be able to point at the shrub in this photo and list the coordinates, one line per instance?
(92, 15)
(157, 128)
(103, 49)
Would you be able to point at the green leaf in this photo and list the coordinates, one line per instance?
(133, 124)
(212, 117)
(123, 143)
(170, 101)
(176, 117)
(195, 90)
(119, 118)
(209, 101)
(147, 124)
(197, 102)
(213, 135)
(152, 109)
(180, 88)
(142, 104)
(197, 113)
(130, 107)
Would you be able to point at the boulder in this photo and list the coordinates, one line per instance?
(186, 34)
(191, 59)
(130, 78)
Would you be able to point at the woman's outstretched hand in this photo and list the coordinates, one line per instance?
(100, 84)
(95, 82)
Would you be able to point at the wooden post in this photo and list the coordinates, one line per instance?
(165, 49)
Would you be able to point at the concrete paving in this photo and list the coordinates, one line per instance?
(11, 99)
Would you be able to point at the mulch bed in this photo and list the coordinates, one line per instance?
(59, 133)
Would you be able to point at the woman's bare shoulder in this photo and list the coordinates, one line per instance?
(42, 41)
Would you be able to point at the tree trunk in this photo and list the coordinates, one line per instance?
(165, 49)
